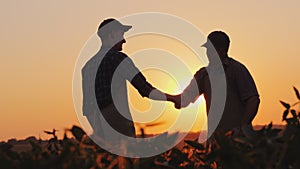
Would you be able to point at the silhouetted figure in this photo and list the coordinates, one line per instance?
(104, 82)
(242, 98)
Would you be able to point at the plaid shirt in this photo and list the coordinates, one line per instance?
(114, 70)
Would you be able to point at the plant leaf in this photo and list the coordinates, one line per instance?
(270, 126)
(77, 132)
(290, 120)
(286, 105)
(285, 113)
(194, 144)
(297, 92)
(293, 112)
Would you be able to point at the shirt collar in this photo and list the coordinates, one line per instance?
(226, 61)
(217, 68)
(107, 48)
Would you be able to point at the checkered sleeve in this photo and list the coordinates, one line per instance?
(135, 77)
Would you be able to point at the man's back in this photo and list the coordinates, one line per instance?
(105, 89)
(98, 91)
(88, 84)
(239, 87)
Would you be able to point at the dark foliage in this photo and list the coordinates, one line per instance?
(267, 148)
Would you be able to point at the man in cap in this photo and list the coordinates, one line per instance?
(104, 83)
(242, 98)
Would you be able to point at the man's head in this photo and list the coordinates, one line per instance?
(219, 42)
(111, 33)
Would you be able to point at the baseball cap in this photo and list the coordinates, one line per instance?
(218, 39)
(112, 24)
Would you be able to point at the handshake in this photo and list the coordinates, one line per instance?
(177, 100)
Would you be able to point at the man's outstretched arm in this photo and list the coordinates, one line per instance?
(147, 90)
(189, 95)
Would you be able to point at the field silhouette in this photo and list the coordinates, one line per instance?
(275, 147)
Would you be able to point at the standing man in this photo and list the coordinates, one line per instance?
(242, 98)
(104, 82)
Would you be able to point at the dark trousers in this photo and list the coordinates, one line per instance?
(113, 117)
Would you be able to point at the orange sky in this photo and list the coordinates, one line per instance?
(41, 41)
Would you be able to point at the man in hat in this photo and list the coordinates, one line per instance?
(104, 83)
(242, 98)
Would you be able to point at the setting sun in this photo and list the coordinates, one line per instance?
(39, 57)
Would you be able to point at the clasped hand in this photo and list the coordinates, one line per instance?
(177, 100)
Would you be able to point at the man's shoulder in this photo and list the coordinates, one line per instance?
(116, 56)
(236, 65)
(88, 64)
(91, 63)
(239, 69)
(201, 72)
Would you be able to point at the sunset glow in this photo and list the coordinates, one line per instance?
(41, 43)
